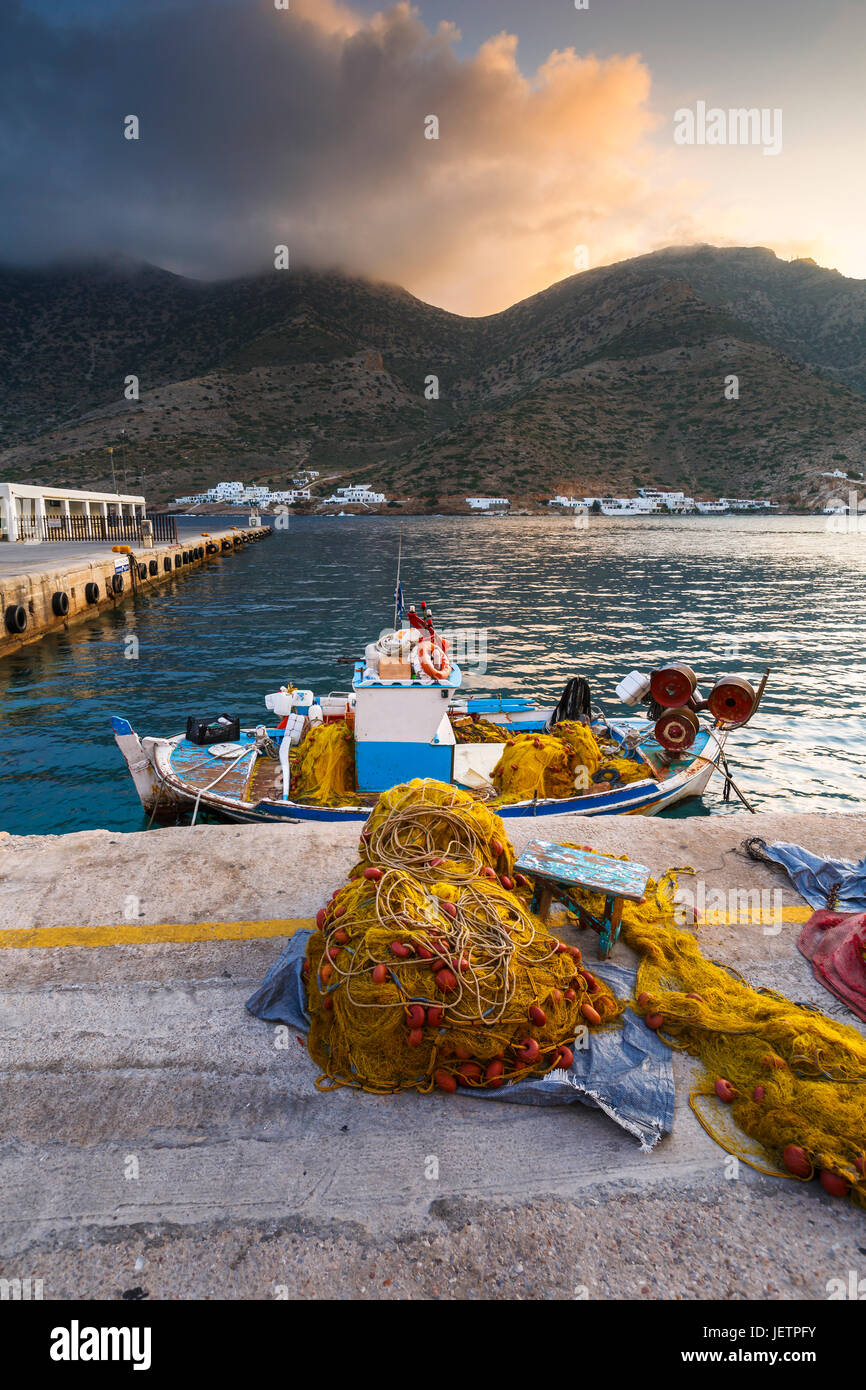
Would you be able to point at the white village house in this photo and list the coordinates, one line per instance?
(357, 492)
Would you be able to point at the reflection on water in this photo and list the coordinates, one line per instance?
(728, 594)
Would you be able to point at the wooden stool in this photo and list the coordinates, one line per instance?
(557, 870)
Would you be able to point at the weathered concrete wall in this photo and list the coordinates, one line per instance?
(35, 585)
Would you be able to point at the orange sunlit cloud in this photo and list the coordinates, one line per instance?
(308, 127)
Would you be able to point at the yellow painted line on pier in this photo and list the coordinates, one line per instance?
(155, 933)
(146, 934)
(747, 916)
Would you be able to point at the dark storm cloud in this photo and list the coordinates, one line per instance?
(306, 127)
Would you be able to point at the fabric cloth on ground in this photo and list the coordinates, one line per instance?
(625, 1071)
(835, 945)
(834, 939)
(838, 884)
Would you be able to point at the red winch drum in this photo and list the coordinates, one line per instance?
(676, 729)
(674, 685)
(732, 699)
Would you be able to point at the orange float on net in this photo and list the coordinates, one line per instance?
(797, 1161)
(833, 1183)
(528, 1051)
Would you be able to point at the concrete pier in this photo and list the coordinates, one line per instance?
(156, 1136)
(57, 584)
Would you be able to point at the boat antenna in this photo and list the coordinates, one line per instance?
(398, 592)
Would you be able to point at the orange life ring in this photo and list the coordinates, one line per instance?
(426, 656)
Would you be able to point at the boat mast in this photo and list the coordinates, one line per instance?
(397, 584)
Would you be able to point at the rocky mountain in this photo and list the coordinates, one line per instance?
(610, 379)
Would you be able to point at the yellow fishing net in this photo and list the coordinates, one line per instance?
(779, 1074)
(472, 729)
(544, 765)
(547, 765)
(427, 969)
(623, 770)
(582, 741)
(323, 765)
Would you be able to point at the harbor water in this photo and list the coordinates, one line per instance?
(537, 599)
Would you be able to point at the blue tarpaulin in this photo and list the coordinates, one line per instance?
(836, 883)
(626, 1070)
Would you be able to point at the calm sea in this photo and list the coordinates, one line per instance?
(544, 599)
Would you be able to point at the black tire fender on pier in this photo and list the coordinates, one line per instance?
(91, 592)
(16, 617)
(60, 604)
(117, 583)
(153, 566)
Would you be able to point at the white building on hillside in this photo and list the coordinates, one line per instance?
(291, 495)
(626, 506)
(485, 504)
(748, 504)
(667, 501)
(578, 504)
(359, 493)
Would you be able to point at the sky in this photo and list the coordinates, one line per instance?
(566, 138)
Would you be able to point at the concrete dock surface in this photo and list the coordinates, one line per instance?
(157, 1142)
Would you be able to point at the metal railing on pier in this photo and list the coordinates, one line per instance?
(98, 528)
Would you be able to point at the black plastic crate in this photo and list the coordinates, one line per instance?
(219, 728)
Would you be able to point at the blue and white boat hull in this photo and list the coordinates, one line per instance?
(173, 776)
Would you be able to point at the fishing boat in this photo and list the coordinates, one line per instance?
(404, 718)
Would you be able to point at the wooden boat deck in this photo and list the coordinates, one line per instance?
(194, 765)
